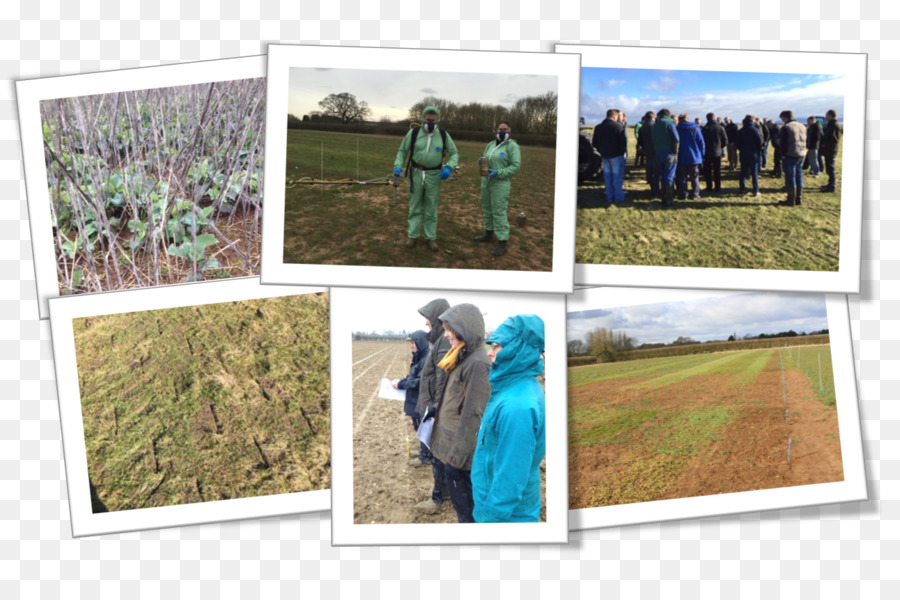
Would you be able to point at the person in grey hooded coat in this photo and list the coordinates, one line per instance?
(462, 403)
(431, 386)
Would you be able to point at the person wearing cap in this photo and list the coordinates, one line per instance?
(419, 345)
(506, 474)
(431, 386)
(461, 406)
(425, 147)
(504, 158)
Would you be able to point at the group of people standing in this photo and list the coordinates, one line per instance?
(428, 156)
(487, 406)
(674, 150)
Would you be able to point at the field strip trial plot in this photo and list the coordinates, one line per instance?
(362, 414)
(725, 427)
(369, 356)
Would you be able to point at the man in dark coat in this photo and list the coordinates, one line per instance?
(610, 141)
(749, 142)
(645, 134)
(666, 143)
(774, 137)
(831, 139)
(731, 130)
(431, 386)
(716, 140)
(813, 139)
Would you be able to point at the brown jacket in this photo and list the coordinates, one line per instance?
(465, 392)
(793, 140)
(431, 384)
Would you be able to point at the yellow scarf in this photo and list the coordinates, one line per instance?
(451, 359)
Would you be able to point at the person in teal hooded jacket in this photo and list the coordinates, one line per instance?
(504, 160)
(426, 172)
(506, 477)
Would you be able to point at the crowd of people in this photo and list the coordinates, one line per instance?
(428, 156)
(675, 151)
(483, 403)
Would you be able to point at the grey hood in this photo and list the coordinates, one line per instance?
(432, 311)
(466, 320)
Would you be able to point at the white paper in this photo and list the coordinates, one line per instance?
(424, 432)
(388, 392)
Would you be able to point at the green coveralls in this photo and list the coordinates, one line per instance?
(505, 158)
(425, 185)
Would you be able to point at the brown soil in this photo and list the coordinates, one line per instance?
(750, 453)
(386, 488)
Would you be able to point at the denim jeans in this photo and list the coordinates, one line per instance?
(812, 157)
(460, 484)
(750, 168)
(793, 172)
(614, 177)
(667, 163)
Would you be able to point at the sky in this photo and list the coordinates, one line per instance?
(392, 93)
(725, 93)
(709, 318)
(398, 310)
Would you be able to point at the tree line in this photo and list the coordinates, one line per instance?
(606, 345)
(531, 115)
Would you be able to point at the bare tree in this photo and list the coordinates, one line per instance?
(345, 107)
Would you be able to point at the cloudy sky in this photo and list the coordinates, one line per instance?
(398, 310)
(714, 317)
(725, 93)
(392, 93)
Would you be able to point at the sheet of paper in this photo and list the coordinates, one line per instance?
(424, 432)
(388, 392)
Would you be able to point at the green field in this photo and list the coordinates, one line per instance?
(661, 428)
(363, 225)
(207, 402)
(728, 230)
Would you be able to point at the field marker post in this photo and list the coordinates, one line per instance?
(357, 158)
(786, 416)
(789, 449)
(322, 158)
(821, 388)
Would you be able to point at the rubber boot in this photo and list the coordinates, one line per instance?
(790, 198)
(487, 236)
(500, 249)
(799, 196)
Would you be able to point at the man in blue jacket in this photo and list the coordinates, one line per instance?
(419, 346)
(690, 156)
(506, 477)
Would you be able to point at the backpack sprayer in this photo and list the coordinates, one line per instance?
(390, 180)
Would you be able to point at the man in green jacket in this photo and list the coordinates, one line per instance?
(504, 160)
(428, 145)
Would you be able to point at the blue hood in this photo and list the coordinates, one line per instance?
(522, 338)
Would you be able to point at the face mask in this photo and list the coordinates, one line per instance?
(429, 126)
(501, 135)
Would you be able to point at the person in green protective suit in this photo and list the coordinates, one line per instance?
(428, 145)
(504, 159)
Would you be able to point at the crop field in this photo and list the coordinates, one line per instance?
(207, 402)
(362, 224)
(688, 426)
(385, 488)
(157, 186)
(726, 230)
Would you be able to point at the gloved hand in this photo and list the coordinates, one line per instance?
(445, 172)
(429, 413)
(492, 173)
(398, 172)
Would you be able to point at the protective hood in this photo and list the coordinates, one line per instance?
(522, 338)
(467, 322)
(433, 109)
(421, 340)
(432, 311)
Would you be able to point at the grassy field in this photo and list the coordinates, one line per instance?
(695, 425)
(206, 402)
(362, 225)
(725, 230)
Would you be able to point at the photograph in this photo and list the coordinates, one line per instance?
(190, 405)
(727, 163)
(448, 423)
(437, 173)
(133, 187)
(689, 394)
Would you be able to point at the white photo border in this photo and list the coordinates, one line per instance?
(851, 489)
(551, 308)
(283, 57)
(84, 521)
(853, 67)
(30, 93)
